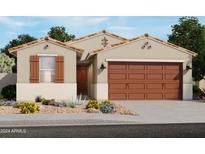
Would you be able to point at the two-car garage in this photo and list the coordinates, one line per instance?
(143, 68)
(141, 80)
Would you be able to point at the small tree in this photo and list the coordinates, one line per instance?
(59, 33)
(190, 34)
(21, 39)
(6, 63)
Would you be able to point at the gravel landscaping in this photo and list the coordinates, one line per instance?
(46, 109)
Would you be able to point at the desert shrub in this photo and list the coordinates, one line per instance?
(72, 104)
(9, 92)
(106, 102)
(93, 104)
(1, 103)
(106, 106)
(29, 107)
(48, 101)
(38, 99)
(197, 92)
(1, 97)
(17, 105)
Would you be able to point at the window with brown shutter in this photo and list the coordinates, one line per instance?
(34, 69)
(59, 69)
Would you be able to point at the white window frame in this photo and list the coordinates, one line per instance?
(45, 55)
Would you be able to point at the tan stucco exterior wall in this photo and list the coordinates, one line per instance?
(29, 91)
(133, 51)
(23, 61)
(93, 43)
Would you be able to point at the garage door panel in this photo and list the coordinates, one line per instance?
(136, 86)
(117, 86)
(138, 81)
(136, 67)
(171, 76)
(136, 76)
(117, 76)
(154, 95)
(136, 96)
(157, 86)
(118, 96)
(172, 86)
(155, 76)
(171, 96)
(171, 67)
(154, 67)
(117, 67)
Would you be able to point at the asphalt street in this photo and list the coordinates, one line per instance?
(186, 130)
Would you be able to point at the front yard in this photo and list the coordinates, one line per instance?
(46, 106)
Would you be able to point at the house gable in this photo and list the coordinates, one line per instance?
(148, 38)
(95, 41)
(23, 58)
(14, 50)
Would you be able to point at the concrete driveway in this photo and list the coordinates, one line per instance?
(167, 111)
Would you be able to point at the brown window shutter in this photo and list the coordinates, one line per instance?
(34, 69)
(59, 69)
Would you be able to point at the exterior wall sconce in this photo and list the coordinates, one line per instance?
(102, 67)
(188, 67)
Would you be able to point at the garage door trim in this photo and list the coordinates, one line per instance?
(145, 60)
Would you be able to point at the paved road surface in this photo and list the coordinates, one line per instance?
(196, 130)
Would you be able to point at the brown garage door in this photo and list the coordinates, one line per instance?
(133, 81)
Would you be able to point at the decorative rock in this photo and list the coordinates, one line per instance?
(91, 110)
(9, 103)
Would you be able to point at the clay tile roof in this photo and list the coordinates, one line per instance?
(97, 50)
(14, 49)
(95, 34)
(116, 44)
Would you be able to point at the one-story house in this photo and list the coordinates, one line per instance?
(104, 66)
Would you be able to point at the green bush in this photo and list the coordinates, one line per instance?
(9, 92)
(48, 101)
(106, 106)
(1, 97)
(28, 107)
(197, 91)
(93, 104)
(17, 104)
(38, 99)
(72, 104)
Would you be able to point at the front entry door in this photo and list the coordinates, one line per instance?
(82, 84)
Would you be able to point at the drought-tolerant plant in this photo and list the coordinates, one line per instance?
(29, 107)
(9, 92)
(1, 103)
(38, 99)
(197, 92)
(48, 101)
(72, 104)
(17, 104)
(80, 100)
(106, 106)
(1, 97)
(6, 63)
(93, 104)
